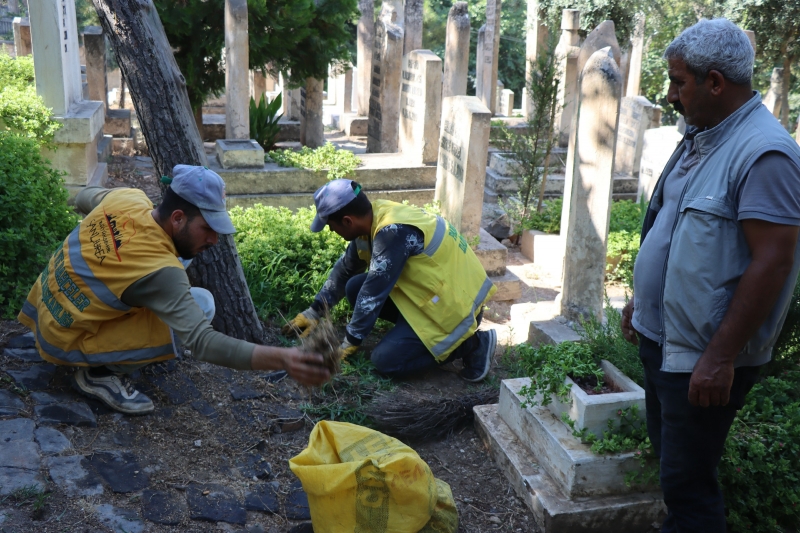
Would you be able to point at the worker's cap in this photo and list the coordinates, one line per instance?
(205, 189)
(332, 197)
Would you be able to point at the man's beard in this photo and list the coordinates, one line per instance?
(183, 243)
(679, 108)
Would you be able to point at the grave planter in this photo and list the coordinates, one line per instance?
(592, 411)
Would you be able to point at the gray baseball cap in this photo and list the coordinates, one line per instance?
(204, 188)
(331, 197)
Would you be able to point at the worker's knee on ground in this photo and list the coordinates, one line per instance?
(353, 287)
(205, 300)
(383, 359)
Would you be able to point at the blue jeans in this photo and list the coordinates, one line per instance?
(401, 353)
(689, 441)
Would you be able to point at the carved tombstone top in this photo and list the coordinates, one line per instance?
(602, 36)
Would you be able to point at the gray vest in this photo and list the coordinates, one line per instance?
(708, 252)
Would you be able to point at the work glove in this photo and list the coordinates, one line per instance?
(346, 349)
(302, 324)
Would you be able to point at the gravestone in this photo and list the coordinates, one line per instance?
(506, 107)
(54, 33)
(479, 64)
(421, 106)
(751, 36)
(296, 98)
(773, 99)
(461, 169)
(312, 131)
(636, 115)
(536, 35)
(488, 55)
(456, 51)
(412, 26)
(237, 82)
(384, 101)
(258, 85)
(637, 49)
(364, 49)
(343, 88)
(658, 144)
(600, 37)
(21, 26)
(567, 53)
(588, 186)
(94, 43)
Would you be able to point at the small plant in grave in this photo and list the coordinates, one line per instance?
(339, 163)
(264, 117)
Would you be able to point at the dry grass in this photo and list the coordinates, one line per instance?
(324, 340)
(408, 416)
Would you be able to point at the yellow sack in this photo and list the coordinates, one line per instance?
(363, 481)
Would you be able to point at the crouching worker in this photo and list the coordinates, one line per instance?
(113, 289)
(422, 276)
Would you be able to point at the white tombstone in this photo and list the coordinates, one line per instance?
(237, 79)
(658, 145)
(637, 50)
(488, 55)
(536, 35)
(365, 45)
(421, 106)
(588, 187)
(412, 26)
(343, 87)
(384, 102)
(567, 53)
(506, 107)
(22, 36)
(95, 48)
(636, 115)
(497, 95)
(461, 169)
(456, 51)
(54, 34)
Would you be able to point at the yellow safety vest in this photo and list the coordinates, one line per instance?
(74, 308)
(440, 291)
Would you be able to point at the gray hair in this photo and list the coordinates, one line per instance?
(716, 44)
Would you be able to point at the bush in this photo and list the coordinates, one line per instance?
(338, 163)
(17, 72)
(606, 342)
(34, 217)
(284, 263)
(264, 117)
(547, 220)
(21, 109)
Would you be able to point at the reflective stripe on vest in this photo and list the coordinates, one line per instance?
(81, 268)
(78, 357)
(465, 324)
(438, 237)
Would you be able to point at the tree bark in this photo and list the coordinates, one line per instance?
(158, 91)
(787, 79)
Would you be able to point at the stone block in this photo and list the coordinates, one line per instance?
(118, 123)
(104, 148)
(550, 332)
(240, 153)
(571, 465)
(354, 125)
(491, 254)
(503, 164)
(290, 131)
(81, 124)
(123, 146)
(552, 511)
(658, 144)
(213, 126)
(78, 160)
(509, 287)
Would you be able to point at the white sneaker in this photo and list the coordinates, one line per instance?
(115, 390)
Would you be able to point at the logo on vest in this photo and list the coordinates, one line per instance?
(110, 233)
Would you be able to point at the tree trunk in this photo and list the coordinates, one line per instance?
(158, 91)
(787, 79)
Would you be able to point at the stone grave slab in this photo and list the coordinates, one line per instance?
(240, 153)
(16, 429)
(119, 520)
(36, 377)
(74, 476)
(297, 503)
(552, 510)
(264, 498)
(71, 413)
(420, 106)
(384, 100)
(10, 404)
(215, 503)
(19, 465)
(120, 470)
(636, 115)
(51, 441)
(162, 507)
(658, 145)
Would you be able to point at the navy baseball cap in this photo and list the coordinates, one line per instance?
(205, 189)
(331, 197)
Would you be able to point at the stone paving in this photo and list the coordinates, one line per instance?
(36, 452)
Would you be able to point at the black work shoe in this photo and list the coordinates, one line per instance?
(115, 390)
(478, 363)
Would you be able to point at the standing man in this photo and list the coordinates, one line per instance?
(717, 266)
(422, 276)
(112, 291)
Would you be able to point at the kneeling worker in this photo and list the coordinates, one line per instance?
(422, 276)
(113, 289)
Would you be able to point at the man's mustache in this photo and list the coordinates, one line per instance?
(679, 108)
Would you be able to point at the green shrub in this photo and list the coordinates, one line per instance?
(606, 342)
(626, 215)
(786, 354)
(264, 117)
(34, 217)
(339, 163)
(547, 220)
(623, 247)
(284, 263)
(21, 109)
(16, 72)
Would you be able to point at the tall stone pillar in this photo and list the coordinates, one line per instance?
(54, 33)
(479, 64)
(588, 187)
(637, 50)
(258, 85)
(536, 35)
(22, 36)
(94, 43)
(312, 131)
(365, 45)
(343, 83)
(421, 106)
(567, 51)
(412, 29)
(489, 55)
(461, 169)
(384, 102)
(456, 51)
(751, 35)
(237, 78)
